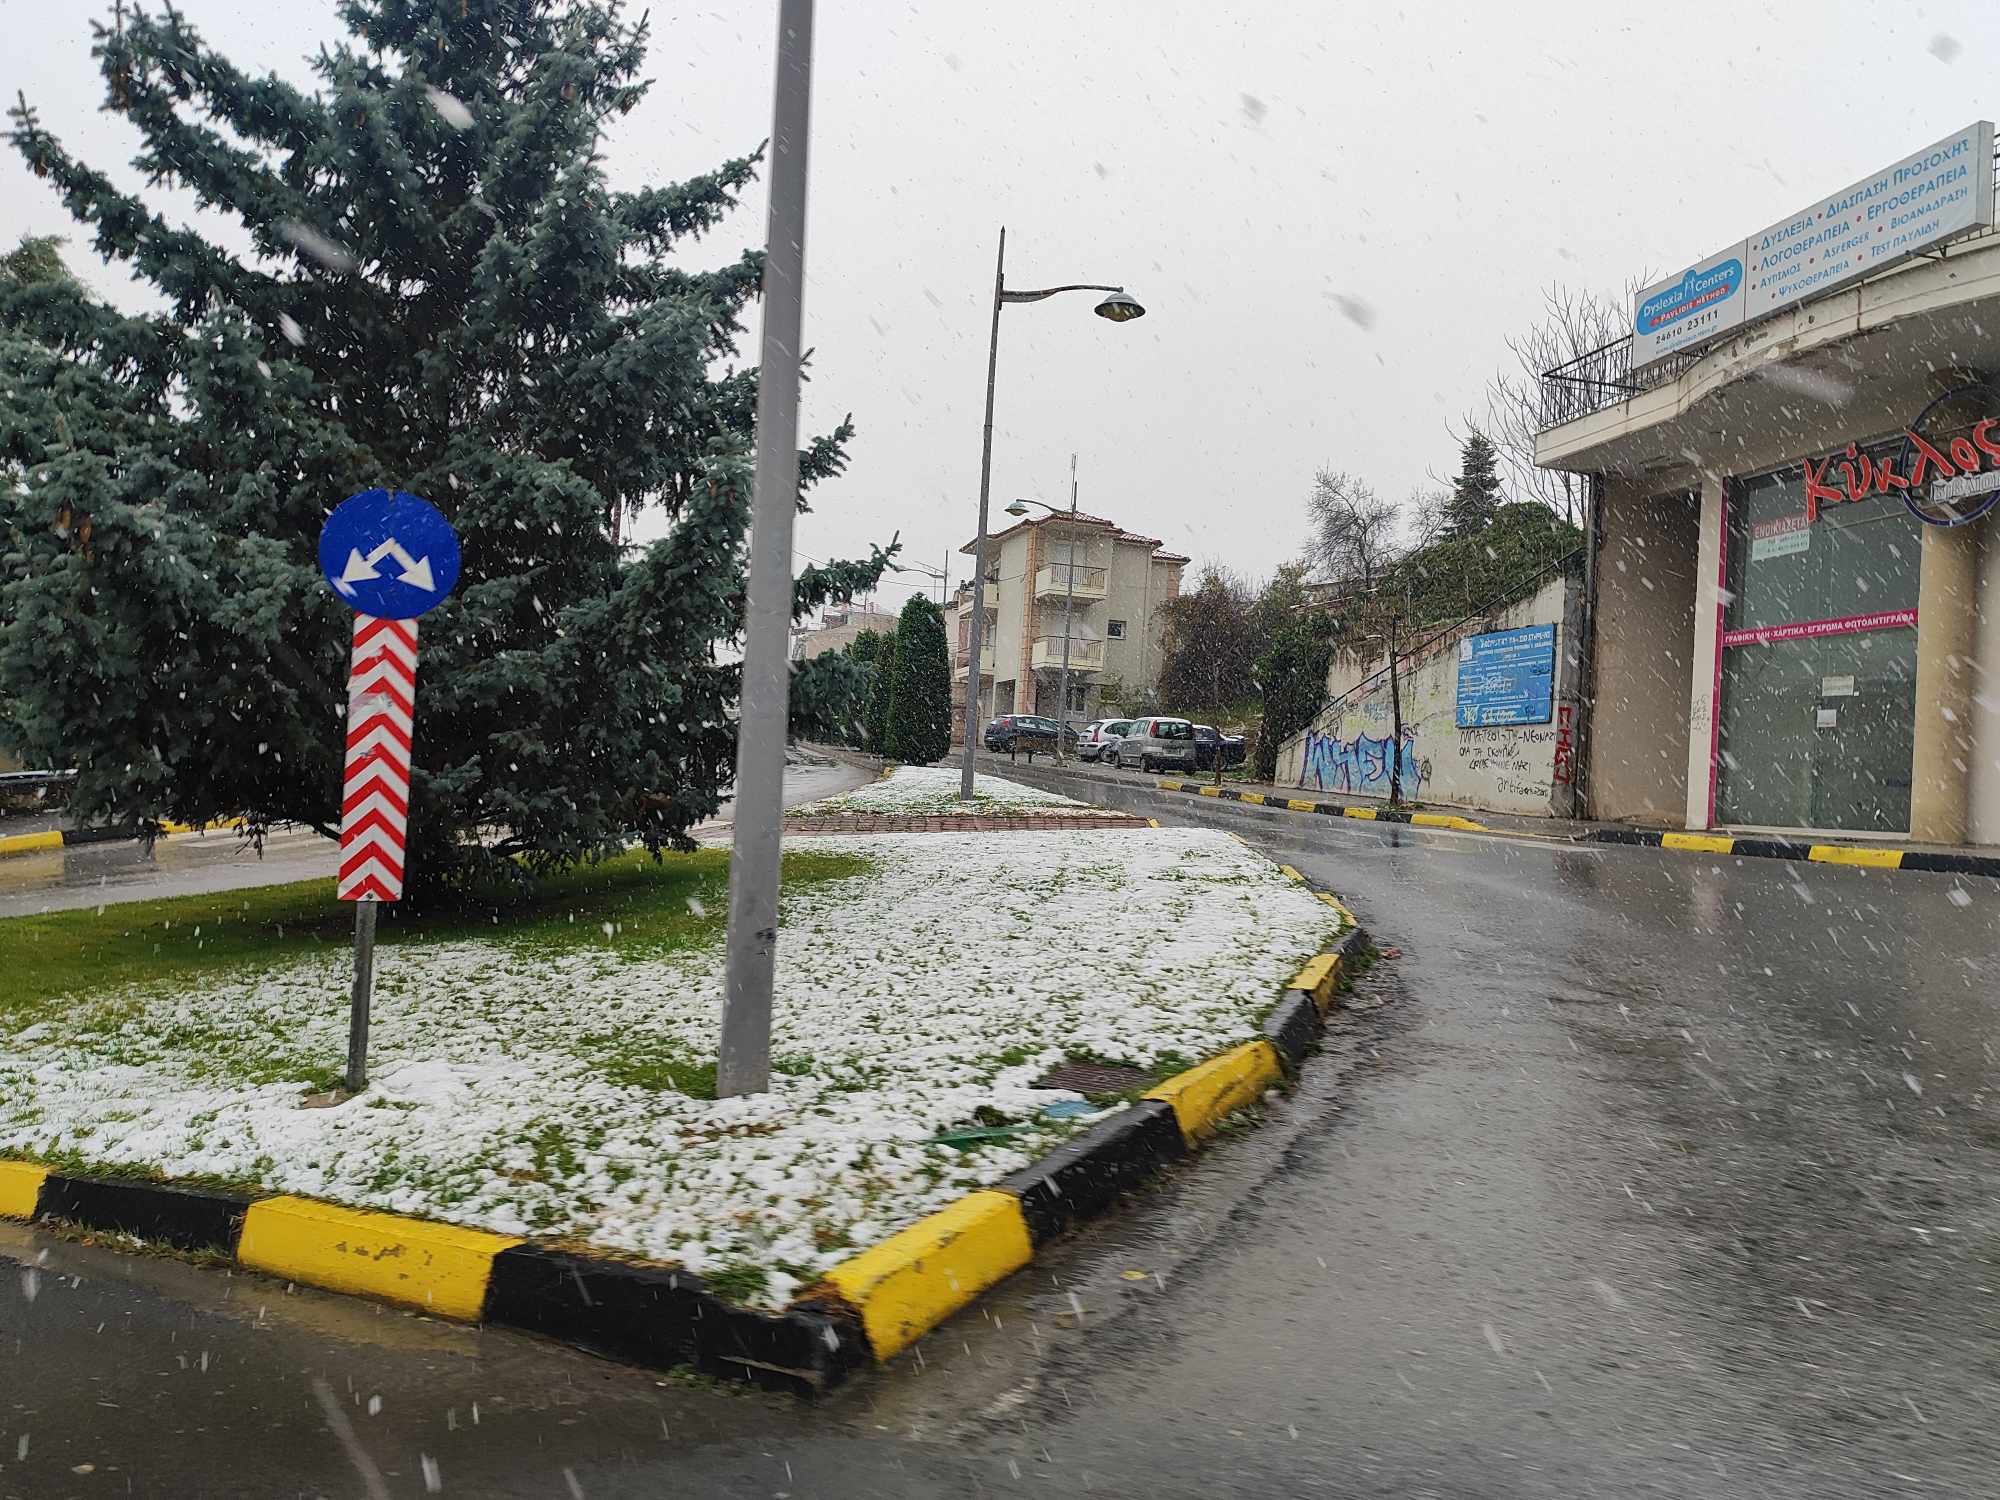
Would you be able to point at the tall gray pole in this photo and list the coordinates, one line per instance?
(744, 1063)
(1069, 612)
(979, 540)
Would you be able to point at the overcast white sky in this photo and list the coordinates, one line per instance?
(1243, 167)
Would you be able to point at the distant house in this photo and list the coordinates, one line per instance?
(837, 629)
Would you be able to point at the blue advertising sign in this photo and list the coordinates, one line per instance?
(1507, 677)
(388, 554)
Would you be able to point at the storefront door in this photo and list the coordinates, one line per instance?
(1817, 675)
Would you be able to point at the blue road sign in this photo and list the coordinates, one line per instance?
(388, 554)
(1507, 677)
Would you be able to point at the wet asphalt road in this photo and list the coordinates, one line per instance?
(1638, 1173)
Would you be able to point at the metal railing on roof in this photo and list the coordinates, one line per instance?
(1604, 376)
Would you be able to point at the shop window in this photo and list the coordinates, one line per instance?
(1817, 691)
(1856, 558)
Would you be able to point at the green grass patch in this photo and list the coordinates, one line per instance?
(641, 1062)
(649, 906)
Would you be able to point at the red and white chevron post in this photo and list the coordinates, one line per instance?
(375, 793)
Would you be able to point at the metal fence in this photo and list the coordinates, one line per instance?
(1605, 376)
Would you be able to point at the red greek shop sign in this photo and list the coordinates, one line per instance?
(1946, 482)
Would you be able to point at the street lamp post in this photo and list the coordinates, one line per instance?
(1117, 307)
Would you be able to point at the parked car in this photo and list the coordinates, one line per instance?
(1100, 737)
(1156, 744)
(1211, 746)
(1015, 734)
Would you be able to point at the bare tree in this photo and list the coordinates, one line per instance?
(1574, 323)
(1354, 530)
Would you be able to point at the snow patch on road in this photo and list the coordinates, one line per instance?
(532, 1091)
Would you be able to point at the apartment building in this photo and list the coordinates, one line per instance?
(1052, 577)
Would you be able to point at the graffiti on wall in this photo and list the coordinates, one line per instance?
(1360, 764)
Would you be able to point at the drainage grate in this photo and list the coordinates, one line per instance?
(1093, 1078)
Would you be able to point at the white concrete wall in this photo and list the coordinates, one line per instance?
(1501, 768)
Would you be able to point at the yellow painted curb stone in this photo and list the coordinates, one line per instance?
(1297, 806)
(1318, 978)
(1867, 859)
(1699, 843)
(1256, 797)
(20, 1188)
(436, 1267)
(1208, 1091)
(30, 843)
(1358, 812)
(914, 1280)
(1289, 873)
(1347, 917)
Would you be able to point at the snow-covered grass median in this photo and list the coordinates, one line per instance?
(557, 1088)
(927, 790)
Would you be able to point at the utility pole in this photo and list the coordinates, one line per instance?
(1069, 613)
(1395, 722)
(743, 1064)
(974, 640)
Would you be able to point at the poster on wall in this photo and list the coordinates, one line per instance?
(1507, 677)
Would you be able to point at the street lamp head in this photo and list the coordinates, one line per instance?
(1018, 508)
(1120, 308)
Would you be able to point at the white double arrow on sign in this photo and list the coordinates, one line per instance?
(416, 570)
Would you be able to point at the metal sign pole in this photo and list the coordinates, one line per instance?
(364, 988)
(743, 1063)
(390, 557)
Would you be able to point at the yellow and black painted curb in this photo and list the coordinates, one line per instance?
(871, 1306)
(914, 1280)
(1327, 809)
(69, 838)
(1859, 856)
(654, 1315)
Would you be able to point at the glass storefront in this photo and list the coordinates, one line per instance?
(1817, 714)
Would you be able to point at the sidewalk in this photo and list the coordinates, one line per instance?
(1874, 854)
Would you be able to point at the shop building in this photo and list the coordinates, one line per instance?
(1792, 597)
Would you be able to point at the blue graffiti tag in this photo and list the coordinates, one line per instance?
(1358, 765)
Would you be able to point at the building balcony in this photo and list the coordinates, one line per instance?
(1084, 656)
(961, 667)
(1066, 580)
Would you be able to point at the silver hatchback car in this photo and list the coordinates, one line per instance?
(1156, 745)
(1100, 738)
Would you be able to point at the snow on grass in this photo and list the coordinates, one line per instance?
(934, 789)
(556, 1091)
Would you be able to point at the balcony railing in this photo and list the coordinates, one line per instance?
(1084, 656)
(1604, 377)
(962, 662)
(1054, 581)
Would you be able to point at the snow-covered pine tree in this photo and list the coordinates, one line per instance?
(443, 295)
